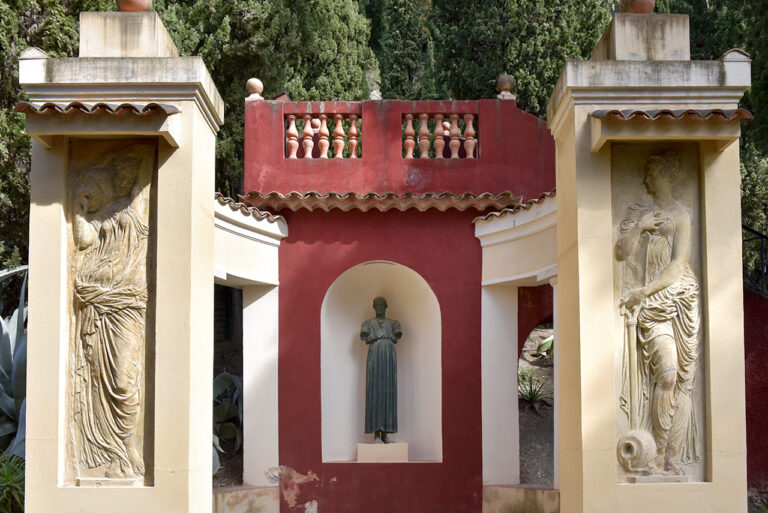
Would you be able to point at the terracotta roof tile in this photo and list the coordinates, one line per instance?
(244, 209)
(295, 201)
(513, 210)
(692, 114)
(140, 109)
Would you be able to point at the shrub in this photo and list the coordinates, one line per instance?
(11, 483)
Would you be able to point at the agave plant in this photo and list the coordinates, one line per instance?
(13, 371)
(227, 414)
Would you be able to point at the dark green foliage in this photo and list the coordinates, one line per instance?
(406, 51)
(529, 39)
(227, 415)
(533, 391)
(316, 49)
(11, 484)
(313, 50)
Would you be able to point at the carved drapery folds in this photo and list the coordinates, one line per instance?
(658, 298)
(109, 207)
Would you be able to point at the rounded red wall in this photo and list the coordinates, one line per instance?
(441, 247)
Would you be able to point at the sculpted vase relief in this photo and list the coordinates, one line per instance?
(659, 298)
(109, 202)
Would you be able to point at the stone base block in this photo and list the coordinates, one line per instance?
(246, 499)
(660, 479)
(382, 453)
(504, 499)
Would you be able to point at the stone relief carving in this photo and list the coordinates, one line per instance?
(660, 306)
(109, 202)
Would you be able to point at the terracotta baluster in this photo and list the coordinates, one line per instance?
(323, 143)
(353, 133)
(469, 136)
(455, 133)
(438, 134)
(293, 137)
(424, 136)
(338, 137)
(308, 135)
(409, 133)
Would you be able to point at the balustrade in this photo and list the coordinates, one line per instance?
(316, 135)
(454, 138)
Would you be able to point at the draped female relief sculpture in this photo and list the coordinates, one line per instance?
(109, 203)
(659, 301)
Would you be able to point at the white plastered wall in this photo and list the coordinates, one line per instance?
(347, 303)
(246, 256)
(518, 251)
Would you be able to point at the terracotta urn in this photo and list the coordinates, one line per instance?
(134, 5)
(637, 6)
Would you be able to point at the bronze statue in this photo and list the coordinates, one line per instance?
(381, 335)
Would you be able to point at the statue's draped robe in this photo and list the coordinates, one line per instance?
(110, 309)
(671, 312)
(381, 374)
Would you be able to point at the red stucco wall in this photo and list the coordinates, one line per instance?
(442, 248)
(517, 152)
(756, 361)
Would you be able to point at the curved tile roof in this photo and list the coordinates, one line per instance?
(140, 109)
(312, 200)
(693, 114)
(247, 211)
(513, 210)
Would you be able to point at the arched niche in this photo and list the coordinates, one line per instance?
(347, 303)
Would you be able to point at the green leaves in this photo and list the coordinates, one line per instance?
(11, 484)
(13, 371)
(227, 415)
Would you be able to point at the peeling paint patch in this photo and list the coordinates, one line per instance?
(290, 481)
(310, 507)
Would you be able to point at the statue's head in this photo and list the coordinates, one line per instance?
(126, 171)
(95, 190)
(380, 305)
(661, 171)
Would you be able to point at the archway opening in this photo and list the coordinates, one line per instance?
(347, 303)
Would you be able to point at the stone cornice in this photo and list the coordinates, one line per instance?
(123, 79)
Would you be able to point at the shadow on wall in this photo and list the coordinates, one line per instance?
(347, 303)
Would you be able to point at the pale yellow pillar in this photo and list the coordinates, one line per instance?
(119, 68)
(590, 187)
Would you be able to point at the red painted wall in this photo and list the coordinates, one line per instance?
(534, 307)
(756, 362)
(516, 151)
(441, 247)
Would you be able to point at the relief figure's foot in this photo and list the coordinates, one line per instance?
(671, 466)
(136, 461)
(114, 470)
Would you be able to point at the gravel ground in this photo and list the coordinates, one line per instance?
(536, 428)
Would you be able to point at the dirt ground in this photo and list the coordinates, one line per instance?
(536, 428)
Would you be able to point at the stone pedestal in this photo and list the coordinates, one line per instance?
(648, 221)
(121, 288)
(382, 453)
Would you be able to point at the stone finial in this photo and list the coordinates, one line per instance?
(505, 84)
(637, 6)
(254, 88)
(134, 5)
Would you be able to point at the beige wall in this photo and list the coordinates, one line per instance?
(586, 321)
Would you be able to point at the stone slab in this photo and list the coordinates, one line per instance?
(124, 34)
(645, 37)
(660, 479)
(382, 453)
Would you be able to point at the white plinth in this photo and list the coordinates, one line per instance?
(382, 453)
